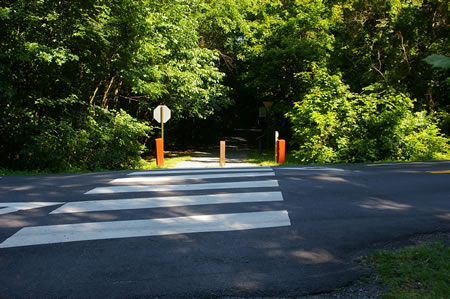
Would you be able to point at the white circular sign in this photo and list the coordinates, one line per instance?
(164, 110)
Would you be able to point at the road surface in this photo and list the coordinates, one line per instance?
(281, 231)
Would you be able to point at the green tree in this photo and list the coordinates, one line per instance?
(386, 42)
(333, 124)
(59, 62)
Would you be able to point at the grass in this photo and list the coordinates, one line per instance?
(268, 159)
(5, 171)
(421, 271)
(169, 162)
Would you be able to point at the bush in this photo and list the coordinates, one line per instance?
(333, 124)
(105, 140)
(51, 146)
(118, 140)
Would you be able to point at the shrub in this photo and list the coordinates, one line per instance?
(333, 124)
(105, 140)
(119, 140)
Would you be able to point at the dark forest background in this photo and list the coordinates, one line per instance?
(350, 81)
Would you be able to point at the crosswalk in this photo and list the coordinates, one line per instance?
(12, 207)
(140, 191)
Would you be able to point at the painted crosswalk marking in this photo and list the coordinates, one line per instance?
(215, 193)
(314, 168)
(12, 207)
(151, 179)
(159, 202)
(189, 187)
(145, 228)
(7, 210)
(191, 171)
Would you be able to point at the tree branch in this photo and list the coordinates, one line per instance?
(400, 36)
(378, 69)
(227, 59)
(105, 94)
(91, 99)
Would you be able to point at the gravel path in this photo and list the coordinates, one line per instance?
(209, 160)
(235, 155)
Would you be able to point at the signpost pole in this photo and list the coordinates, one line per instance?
(162, 125)
(161, 114)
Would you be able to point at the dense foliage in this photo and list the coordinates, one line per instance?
(108, 139)
(333, 124)
(79, 79)
(60, 61)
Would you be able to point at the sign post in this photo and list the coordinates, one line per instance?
(162, 124)
(161, 114)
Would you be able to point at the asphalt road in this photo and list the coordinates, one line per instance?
(282, 231)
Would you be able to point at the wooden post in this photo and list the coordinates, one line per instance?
(222, 153)
(276, 144)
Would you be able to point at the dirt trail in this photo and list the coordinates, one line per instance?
(235, 155)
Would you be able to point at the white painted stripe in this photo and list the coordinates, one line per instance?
(144, 228)
(220, 170)
(149, 179)
(7, 210)
(311, 168)
(157, 202)
(11, 207)
(400, 163)
(208, 186)
(28, 205)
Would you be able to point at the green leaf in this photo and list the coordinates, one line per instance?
(438, 61)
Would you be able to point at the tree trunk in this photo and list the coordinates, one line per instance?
(91, 100)
(116, 94)
(105, 94)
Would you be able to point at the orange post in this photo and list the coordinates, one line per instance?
(159, 152)
(281, 150)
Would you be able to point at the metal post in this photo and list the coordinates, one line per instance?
(162, 125)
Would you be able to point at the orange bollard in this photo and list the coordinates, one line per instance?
(281, 150)
(159, 152)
